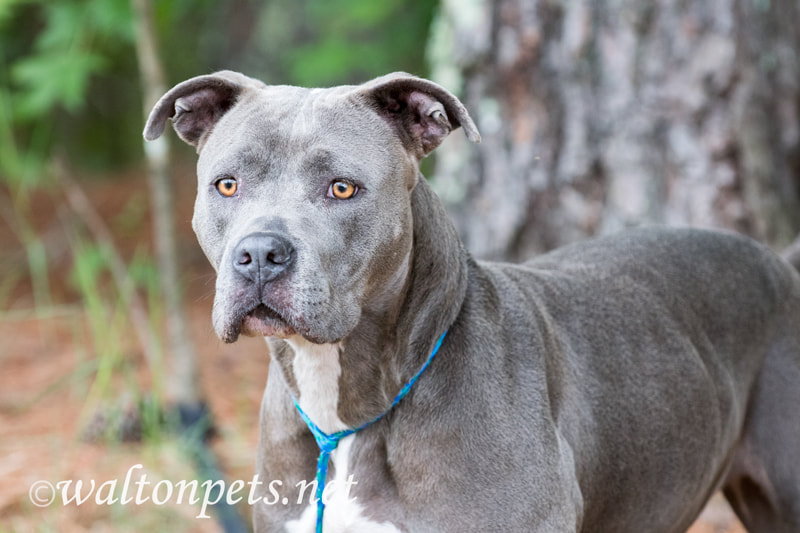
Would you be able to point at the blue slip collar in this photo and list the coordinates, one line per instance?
(328, 442)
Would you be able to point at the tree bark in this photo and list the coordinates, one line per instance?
(181, 380)
(602, 115)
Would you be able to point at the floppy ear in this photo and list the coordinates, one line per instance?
(196, 105)
(422, 112)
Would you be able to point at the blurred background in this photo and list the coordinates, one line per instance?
(595, 116)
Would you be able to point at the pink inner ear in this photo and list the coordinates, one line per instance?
(393, 105)
(421, 102)
(196, 113)
(429, 121)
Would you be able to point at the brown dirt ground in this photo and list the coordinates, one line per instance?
(43, 395)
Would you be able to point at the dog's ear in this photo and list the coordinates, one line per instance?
(196, 105)
(422, 112)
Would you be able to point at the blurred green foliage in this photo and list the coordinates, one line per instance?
(69, 79)
(77, 41)
(59, 62)
(327, 42)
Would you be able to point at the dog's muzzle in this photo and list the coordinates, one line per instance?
(261, 261)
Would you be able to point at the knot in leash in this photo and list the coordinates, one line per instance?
(327, 442)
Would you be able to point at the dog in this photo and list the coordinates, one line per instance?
(609, 386)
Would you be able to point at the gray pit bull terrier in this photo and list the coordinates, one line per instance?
(610, 386)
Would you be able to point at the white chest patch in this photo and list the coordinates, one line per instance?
(316, 371)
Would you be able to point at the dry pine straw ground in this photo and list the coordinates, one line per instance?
(42, 407)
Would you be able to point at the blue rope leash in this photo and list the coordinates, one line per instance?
(328, 442)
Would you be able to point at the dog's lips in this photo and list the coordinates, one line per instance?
(264, 321)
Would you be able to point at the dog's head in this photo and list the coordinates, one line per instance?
(303, 200)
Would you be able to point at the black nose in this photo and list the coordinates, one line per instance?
(262, 257)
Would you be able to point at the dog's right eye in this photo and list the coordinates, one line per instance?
(342, 190)
(226, 186)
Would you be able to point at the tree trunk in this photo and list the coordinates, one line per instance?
(181, 381)
(599, 115)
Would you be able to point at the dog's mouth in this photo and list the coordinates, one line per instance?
(264, 321)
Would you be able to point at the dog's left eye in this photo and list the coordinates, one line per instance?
(226, 186)
(342, 190)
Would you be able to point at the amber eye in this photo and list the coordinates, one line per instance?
(226, 186)
(342, 190)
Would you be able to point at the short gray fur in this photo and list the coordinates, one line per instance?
(609, 386)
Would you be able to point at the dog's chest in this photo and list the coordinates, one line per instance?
(343, 511)
(316, 371)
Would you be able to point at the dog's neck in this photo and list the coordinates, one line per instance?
(346, 384)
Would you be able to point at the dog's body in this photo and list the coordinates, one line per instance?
(610, 386)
